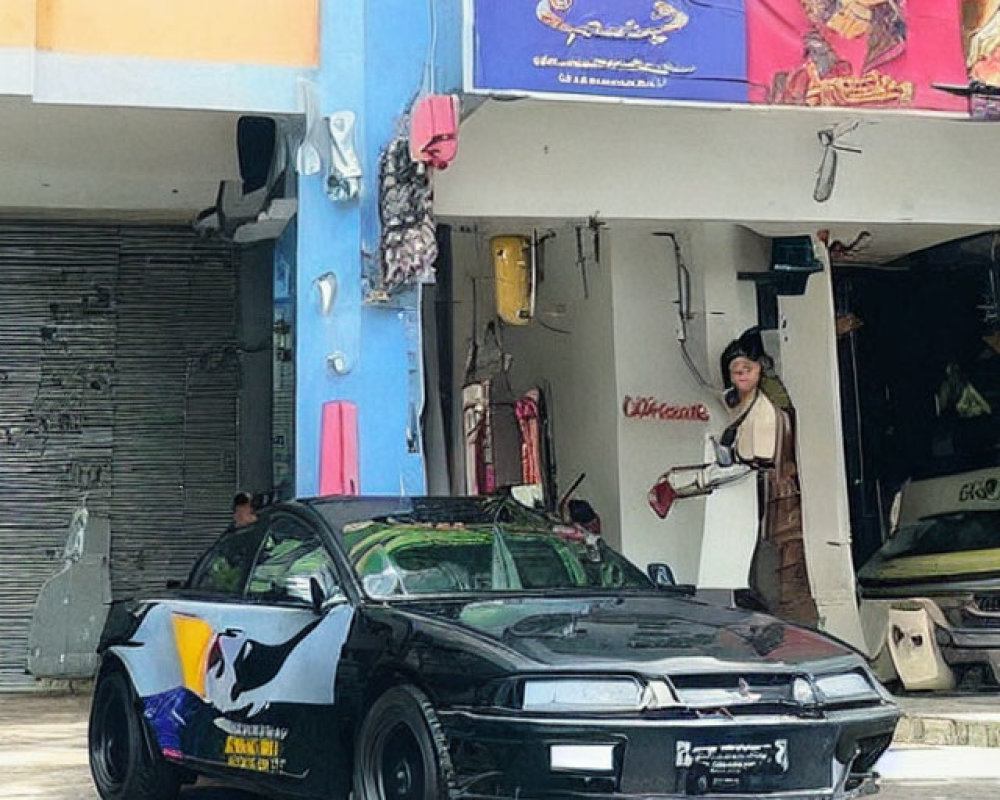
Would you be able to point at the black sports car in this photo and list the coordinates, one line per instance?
(463, 647)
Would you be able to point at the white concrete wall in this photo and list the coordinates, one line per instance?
(731, 512)
(723, 249)
(648, 361)
(810, 370)
(546, 158)
(578, 366)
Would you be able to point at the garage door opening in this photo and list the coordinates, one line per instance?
(919, 351)
(136, 383)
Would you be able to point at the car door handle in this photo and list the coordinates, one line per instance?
(233, 632)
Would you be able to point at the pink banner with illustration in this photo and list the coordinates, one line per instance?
(981, 28)
(855, 53)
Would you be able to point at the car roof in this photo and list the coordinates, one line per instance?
(340, 510)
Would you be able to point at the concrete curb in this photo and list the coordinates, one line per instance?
(948, 731)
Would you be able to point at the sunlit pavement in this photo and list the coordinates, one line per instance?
(43, 756)
(43, 747)
(43, 751)
(962, 773)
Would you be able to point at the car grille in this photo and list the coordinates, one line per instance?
(732, 689)
(988, 603)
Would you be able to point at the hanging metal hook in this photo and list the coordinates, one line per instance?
(826, 176)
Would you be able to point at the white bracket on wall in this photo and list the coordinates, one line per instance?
(344, 180)
(308, 158)
(326, 284)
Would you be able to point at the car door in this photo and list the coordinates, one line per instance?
(268, 666)
(177, 637)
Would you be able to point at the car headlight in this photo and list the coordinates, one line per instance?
(846, 687)
(803, 692)
(583, 694)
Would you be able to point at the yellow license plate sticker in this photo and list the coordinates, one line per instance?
(257, 755)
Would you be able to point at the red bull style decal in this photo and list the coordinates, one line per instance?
(223, 668)
(223, 696)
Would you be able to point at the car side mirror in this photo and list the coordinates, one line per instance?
(663, 578)
(661, 575)
(319, 599)
(316, 595)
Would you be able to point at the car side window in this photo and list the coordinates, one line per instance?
(223, 569)
(290, 557)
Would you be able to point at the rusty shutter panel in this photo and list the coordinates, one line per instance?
(118, 381)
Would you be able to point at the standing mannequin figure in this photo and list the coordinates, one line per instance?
(759, 439)
(761, 436)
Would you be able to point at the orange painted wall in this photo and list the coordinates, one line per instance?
(17, 23)
(264, 32)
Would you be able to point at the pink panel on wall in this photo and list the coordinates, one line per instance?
(338, 466)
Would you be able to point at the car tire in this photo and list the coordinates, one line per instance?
(121, 761)
(401, 752)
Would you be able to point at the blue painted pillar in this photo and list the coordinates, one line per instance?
(373, 61)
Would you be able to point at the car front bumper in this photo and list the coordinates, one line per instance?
(773, 756)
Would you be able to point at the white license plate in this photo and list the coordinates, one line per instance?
(582, 757)
(734, 758)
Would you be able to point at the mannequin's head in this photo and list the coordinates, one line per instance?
(744, 375)
(742, 362)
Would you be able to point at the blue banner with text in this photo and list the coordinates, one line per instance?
(681, 50)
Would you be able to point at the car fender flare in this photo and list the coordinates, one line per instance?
(150, 671)
(147, 676)
(385, 677)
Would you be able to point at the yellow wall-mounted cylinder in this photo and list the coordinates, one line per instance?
(514, 279)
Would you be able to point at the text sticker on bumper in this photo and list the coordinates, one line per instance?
(734, 760)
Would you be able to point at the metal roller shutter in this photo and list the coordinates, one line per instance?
(118, 382)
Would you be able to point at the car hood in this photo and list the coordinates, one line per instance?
(938, 568)
(635, 631)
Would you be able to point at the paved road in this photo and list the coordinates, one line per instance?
(949, 790)
(43, 756)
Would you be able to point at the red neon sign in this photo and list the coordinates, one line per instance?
(651, 408)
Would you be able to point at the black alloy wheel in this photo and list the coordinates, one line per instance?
(121, 763)
(401, 752)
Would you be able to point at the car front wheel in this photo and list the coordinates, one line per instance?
(121, 762)
(401, 752)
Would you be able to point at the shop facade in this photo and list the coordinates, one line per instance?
(138, 390)
(666, 213)
(608, 187)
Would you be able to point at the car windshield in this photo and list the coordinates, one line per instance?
(948, 533)
(406, 557)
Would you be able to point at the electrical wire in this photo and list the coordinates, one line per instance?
(694, 369)
(682, 269)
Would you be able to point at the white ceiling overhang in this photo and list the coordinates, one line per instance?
(556, 159)
(112, 162)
